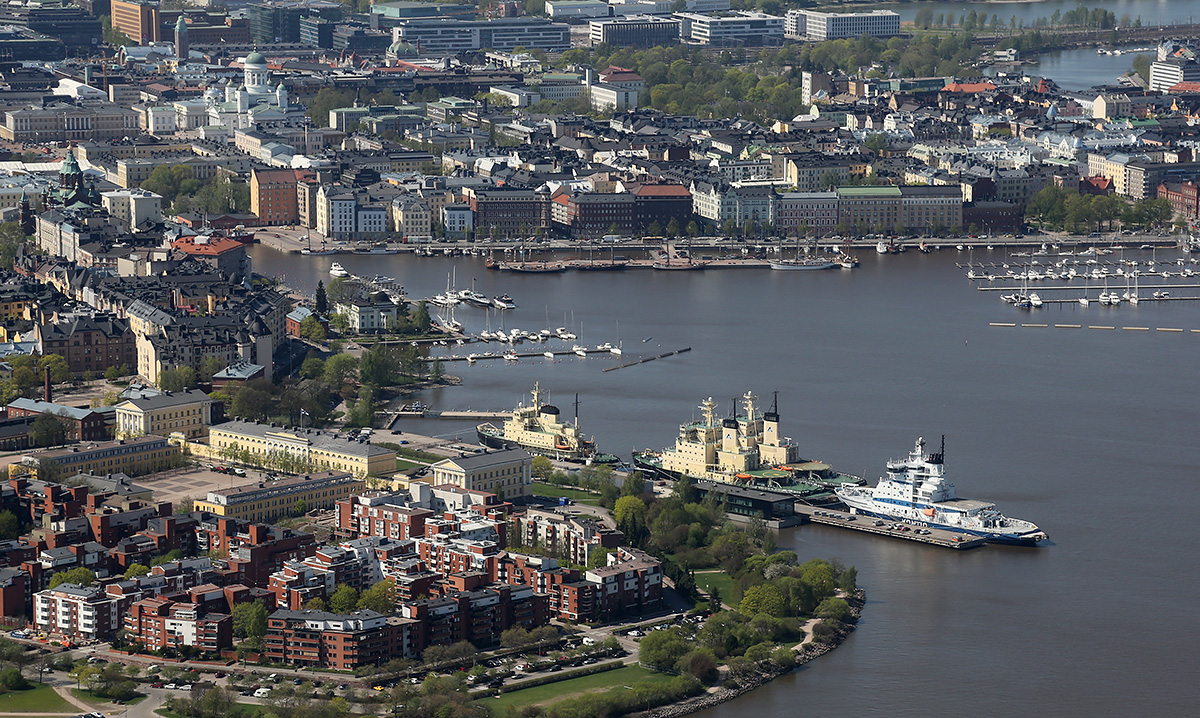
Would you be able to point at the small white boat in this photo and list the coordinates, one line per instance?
(615, 350)
(1105, 298)
(579, 350)
(548, 355)
(848, 262)
(882, 247)
(337, 270)
(471, 358)
(504, 302)
(1084, 301)
(1133, 299)
(1034, 300)
(511, 356)
(1161, 295)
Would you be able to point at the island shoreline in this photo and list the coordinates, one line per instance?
(808, 653)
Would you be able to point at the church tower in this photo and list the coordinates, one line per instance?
(181, 39)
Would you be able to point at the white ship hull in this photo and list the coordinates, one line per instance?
(1021, 532)
(915, 490)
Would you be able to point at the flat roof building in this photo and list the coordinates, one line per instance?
(270, 500)
(310, 449)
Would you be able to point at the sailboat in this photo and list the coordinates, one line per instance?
(617, 349)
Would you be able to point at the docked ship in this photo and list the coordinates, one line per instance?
(803, 263)
(744, 449)
(916, 490)
(538, 429)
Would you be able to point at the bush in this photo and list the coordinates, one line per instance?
(825, 632)
(700, 664)
(12, 680)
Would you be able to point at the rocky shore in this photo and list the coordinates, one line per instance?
(808, 652)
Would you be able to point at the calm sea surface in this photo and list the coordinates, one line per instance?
(1089, 433)
(1151, 12)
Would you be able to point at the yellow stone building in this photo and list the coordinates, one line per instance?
(188, 413)
(275, 499)
(268, 444)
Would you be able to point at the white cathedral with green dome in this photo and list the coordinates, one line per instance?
(254, 103)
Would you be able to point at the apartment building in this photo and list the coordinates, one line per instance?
(572, 536)
(320, 639)
(135, 208)
(740, 27)
(634, 31)
(268, 501)
(273, 196)
(440, 36)
(813, 25)
(806, 213)
(188, 413)
(159, 623)
(78, 612)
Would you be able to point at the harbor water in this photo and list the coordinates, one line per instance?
(1088, 433)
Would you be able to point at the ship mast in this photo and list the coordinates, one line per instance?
(708, 406)
(576, 410)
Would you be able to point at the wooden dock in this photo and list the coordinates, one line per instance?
(429, 414)
(880, 527)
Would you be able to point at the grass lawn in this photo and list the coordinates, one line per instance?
(576, 495)
(83, 695)
(570, 688)
(39, 699)
(405, 465)
(720, 579)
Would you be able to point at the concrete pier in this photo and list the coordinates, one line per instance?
(881, 527)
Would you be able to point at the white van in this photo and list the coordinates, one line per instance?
(262, 692)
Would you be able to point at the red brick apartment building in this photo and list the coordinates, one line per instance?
(159, 623)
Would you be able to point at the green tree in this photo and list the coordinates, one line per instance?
(211, 365)
(60, 371)
(317, 604)
(137, 570)
(250, 620)
(10, 525)
(630, 513)
(421, 319)
(833, 608)
(699, 663)
(11, 241)
(79, 576)
(111, 35)
(327, 99)
(312, 368)
(312, 330)
(185, 505)
(379, 598)
(541, 468)
(876, 142)
(344, 599)
(47, 430)
(662, 649)
(321, 302)
(112, 373)
(340, 369)
(178, 379)
(764, 598)
(598, 557)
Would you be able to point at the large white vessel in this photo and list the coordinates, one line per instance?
(916, 490)
(538, 429)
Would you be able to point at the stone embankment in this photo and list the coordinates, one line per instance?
(807, 652)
